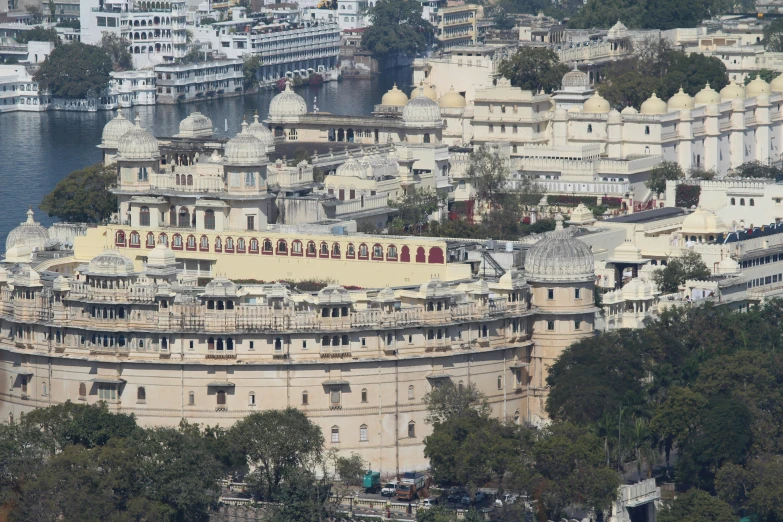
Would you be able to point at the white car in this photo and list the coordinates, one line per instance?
(507, 500)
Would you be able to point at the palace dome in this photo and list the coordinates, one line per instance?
(755, 87)
(629, 110)
(61, 284)
(28, 234)
(732, 92)
(575, 79)
(706, 96)
(221, 287)
(394, 97)
(422, 110)
(351, 168)
(452, 100)
(728, 266)
(559, 257)
(245, 149)
(596, 104)
(636, 289)
(138, 144)
(702, 221)
(110, 263)
(680, 101)
(196, 125)
(114, 130)
(653, 105)
(287, 104)
(776, 85)
(424, 90)
(262, 133)
(26, 276)
(161, 256)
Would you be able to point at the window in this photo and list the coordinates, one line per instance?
(411, 395)
(209, 219)
(742, 202)
(251, 399)
(221, 398)
(589, 128)
(363, 433)
(577, 325)
(752, 203)
(577, 293)
(191, 399)
(251, 222)
(647, 129)
(334, 397)
(500, 382)
(144, 216)
(141, 394)
(411, 429)
(305, 399)
(45, 388)
(733, 201)
(550, 325)
(550, 293)
(335, 434)
(364, 395)
(107, 392)
(82, 391)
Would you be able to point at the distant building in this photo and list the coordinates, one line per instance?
(190, 81)
(134, 87)
(19, 92)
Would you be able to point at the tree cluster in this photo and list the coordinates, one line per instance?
(397, 30)
(703, 382)
(756, 169)
(657, 68)
(75, 71)
(679, 269)
(117, 49)
(39, 34)
(80, 462)
(559, 466)
(534, 69)
(83, 196)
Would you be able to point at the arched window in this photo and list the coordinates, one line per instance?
(163, 239)
(363, 433)
(335, 434)
(647, 129)
(742, 202)
(364, 394)
(141, 394)
(351, 251)
(150, 240)
(190, 179)
(229, 244)
(204, 244)
(335, 249)
(240, 244)
(211, 342)
(296, 248)
(218, 244)
(310, 248)
(267, 245)
(589, 128)
(82, 390)
(411, 394)
(752, 203)
(221, 398)
(325, 338)
(391, 252)
(144, 216)
(324, 249)
(251, 399)
(377, 251)
(411, 429)
(135, 239)
(363, 251)
(426, 137)
(305, 398)
(254, 245)
(733, 201)
(282, 247)
(119, 238)
(209, 219)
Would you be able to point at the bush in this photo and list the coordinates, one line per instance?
(687, 196)
(570, 201)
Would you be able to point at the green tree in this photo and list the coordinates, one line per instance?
(534, 69)
(39, 34)
(756, 488)
(696, 506)
(765, 74)
(661, 173)
(675, 421)
(116, 48)
(448, 401)
(350, 469)
(679, 269)
(24, 450)
(773, 36)
(658, 14)
(397, 29)
(756, 169)
(75, 71)
(488, 174)
(83, 196)
(414, 208)
(275, 442)
(250, 69)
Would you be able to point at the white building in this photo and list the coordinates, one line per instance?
(190, 81)
(134, 87)
(19, 92)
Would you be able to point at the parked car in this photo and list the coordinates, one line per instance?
(507, 500)
(428, 503)
(455, 495)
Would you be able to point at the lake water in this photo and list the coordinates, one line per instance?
(37, 150)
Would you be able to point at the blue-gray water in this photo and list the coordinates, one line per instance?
(39, 149)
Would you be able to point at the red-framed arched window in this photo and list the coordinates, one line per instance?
(176, 242)
(119, 238)
(391, 253)
(405, 254)
(323, 250)
(150, 242)
(364, 252)
(218, 244)
(335, 250)
(163, 239)
(350, 251)
(296, 248)
(266, 247)
(135, 240)
(203, 244)
(436, 255)
(253, 245)
(229, 246)
(282, 247)
(377, 252)
(311, 250)
(241, 247)
(191, 243)
(420, 255)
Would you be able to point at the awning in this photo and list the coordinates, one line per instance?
(108, 380)
(518, 364)
(221, 384)
(335, 382)
(29, 373)
(439, 376)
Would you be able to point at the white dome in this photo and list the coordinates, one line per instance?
(61, 284)
(424, 90)
(394, 97)
(776, 85)
(138, 144)
(755, 87)
(654, 105)
(29, 234)
(559, 257)
(422, 111)
(26, 276)
(728, 266)
(629, 110)
(732, 92)
(161, 256)
(680, 101)
(452, 100)
(596, 104)
(287, 104)
(195, 126)
(334, 294)
(351, 168)
(706, 96)
(575, 80)
(110, 263)
(703, 221)
(627, 252)
(262, 133)
(221, 287)
(636, 289)
(245, 149)
(114, 130)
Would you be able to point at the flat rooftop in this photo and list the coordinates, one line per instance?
(647, 216)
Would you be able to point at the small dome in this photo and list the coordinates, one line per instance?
(654, 105)
(334, 294)
(196, 125)
(614, 117)
(629, 110)
(245, 149)
(706, 96)
(596, 104)
(221, 287)
(424, 90)
(351, 168)
(262, 133)
(386, 296)
(138, 144)
(627, 252)
(287, 104)
(680, 101)
(618, 32)
(559, 257)
(394, 97)
(114, 130)
(755, 87)
(435, 288)
(110, 263)
(574, 109)
(422, 111)
(702, 221)
(28, 234)
(452, 100)
(161, 256)
(636, 289)
(776, 85)
(728, 266)
(61, 284)
(26, 276)
(575, 80)
(732, 92)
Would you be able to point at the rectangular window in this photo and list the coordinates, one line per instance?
(335, 397)
(364, 341)
(190, 345)
(101, 21)
(550, 293)
(577, 325)
(251, 222)
(335, 435)
(550, 325)
(304, 345)
(111, 22)
(252, 345)
(577, 293)
(363, 434)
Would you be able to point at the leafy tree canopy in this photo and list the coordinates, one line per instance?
(697, 506)
(397, 29)
(75, 71)
(117, 49)
(39, 34)
(679, 269)
(756, 169)
(83, 196)
(250, 69)
(773, 36)
(661, 173)
(652, 14)
(534, 69)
